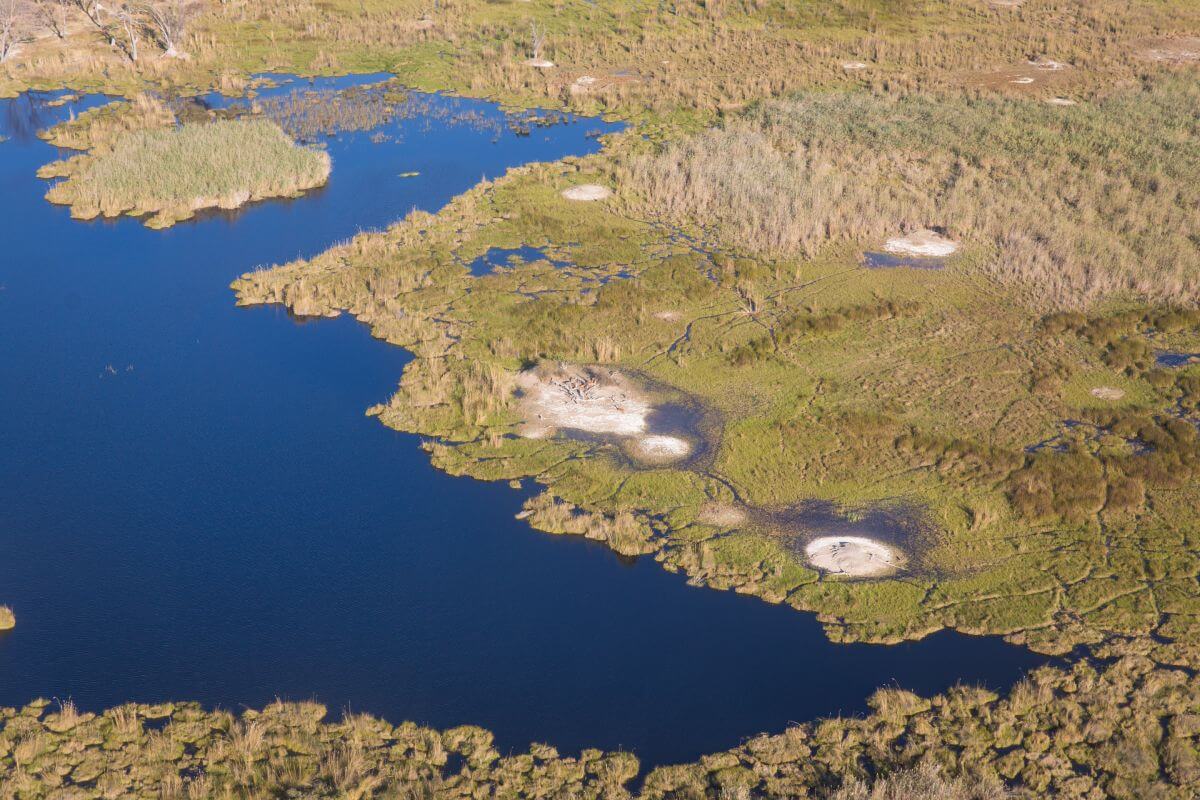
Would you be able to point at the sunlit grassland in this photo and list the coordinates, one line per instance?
(1071, 204)
(933, 408)
(673, 63)
(168, 174)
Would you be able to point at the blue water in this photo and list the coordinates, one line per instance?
(876, 260)
(1168, 358)
(501, 257)
(193, 505)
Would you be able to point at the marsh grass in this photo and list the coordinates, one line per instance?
(169, 174)
(1073, 205)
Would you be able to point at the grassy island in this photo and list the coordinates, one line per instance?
(168, 174)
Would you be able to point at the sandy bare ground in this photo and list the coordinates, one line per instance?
(598, 401)
(853, 556)
(924, 243)
(540, 63)
(1181, 50)
(658, 448)
(587, 399)
(587, 192)
(1108, 393)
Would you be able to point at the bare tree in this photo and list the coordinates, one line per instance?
(537, 38)
(15, 26)
(54, 14)
(130, 25)
(169, 21)
(117, 23)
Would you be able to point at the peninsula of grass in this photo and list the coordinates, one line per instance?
(8, 620)
(166, 175)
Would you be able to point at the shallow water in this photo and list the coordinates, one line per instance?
(501, 257)
(193, 505)
(877, 260)
(1168, 358)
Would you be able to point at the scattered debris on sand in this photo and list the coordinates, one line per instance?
(854, 556)
(925, 243)
(587, 192)
(604, 404)
(1108, 393)
(1174, 50)
(587, 399)
(1047, 64)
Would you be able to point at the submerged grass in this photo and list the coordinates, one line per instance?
(171, 173)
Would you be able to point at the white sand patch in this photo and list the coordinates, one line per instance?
(668, 316)
(1177, 50)
(540, 63)
(856, 556)
(589, 400)
(1024, 80)
(659, 448)
(1005, 3)
(587, 192)
(1061, 101)
(854, 66)
(1048, 64)
(1108, 393)
(721, 515)
(583, 84)
(925, 243)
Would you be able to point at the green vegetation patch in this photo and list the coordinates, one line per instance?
(169, 174)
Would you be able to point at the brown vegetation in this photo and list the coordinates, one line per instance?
(1071, 206)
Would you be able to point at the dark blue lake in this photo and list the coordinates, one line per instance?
(193, 505)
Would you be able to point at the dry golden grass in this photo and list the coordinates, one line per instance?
(1075, 204)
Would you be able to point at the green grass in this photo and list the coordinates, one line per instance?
(169, 174)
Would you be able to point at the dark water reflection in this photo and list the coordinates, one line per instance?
(193, 505)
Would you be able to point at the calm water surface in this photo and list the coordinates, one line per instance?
(192, 504)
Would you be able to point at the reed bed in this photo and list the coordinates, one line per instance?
(1074, 204)
(170, 174)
